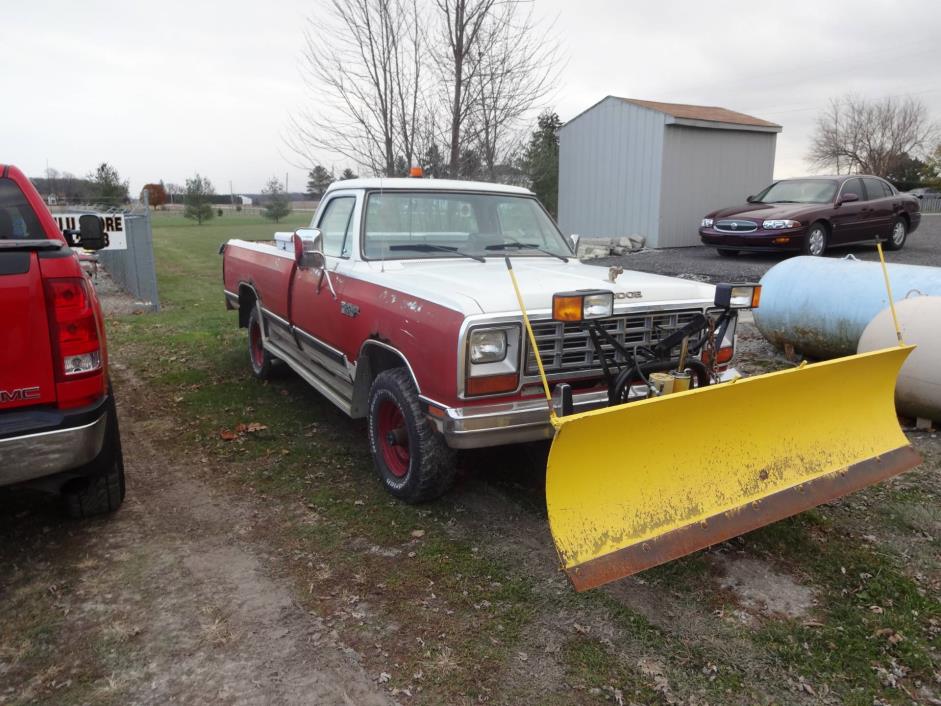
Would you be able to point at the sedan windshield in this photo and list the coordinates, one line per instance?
(408, 225)
(799, 191)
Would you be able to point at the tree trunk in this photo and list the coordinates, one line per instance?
(458, 87)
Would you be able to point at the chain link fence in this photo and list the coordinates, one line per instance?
(134, 268)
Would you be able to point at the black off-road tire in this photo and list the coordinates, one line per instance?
(891, 242)
(102, 489)
(259, 359)
(725, 252)
(429, 470)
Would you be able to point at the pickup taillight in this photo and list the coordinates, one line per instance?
(73, 328)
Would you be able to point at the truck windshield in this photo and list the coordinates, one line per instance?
(18, 221)
(410, 225)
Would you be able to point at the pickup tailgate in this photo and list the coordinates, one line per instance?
(26, 366)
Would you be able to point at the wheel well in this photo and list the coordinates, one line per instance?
(374, 358)
(247, 299)
(905, 217)
(826, 225)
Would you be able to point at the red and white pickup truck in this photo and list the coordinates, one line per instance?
(58, 423)
(397, 306)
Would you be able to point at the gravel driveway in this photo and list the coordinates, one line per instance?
(923, 248)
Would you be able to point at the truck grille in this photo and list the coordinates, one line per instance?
(567, 347)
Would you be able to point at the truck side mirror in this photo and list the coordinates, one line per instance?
(308, 248)
(575, 238)
(90, 235)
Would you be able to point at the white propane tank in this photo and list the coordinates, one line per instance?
(918, 391)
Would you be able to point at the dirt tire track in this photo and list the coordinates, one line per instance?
(176, 601)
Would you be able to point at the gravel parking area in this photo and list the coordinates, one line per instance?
(923, 248)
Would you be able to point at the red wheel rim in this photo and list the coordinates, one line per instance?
(393, 438)
(254, 345)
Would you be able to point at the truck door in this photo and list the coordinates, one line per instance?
(315, 293)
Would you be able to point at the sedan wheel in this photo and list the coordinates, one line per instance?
(816, 243)
(899, 233)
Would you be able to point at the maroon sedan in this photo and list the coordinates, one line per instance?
(812, 214)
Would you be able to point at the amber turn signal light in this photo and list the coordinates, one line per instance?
(577, 306)
(491, 384)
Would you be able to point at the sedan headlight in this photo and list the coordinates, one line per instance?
(778, 225)
(706, 223)
(487, 346)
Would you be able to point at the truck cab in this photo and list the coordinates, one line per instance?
(58, 423)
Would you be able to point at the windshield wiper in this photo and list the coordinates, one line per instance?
(784, 201)
(516, 245)
(431, 247)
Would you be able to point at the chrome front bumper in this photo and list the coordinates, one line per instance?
(46, 453)
(517, 422)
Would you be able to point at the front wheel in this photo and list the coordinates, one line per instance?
(412, 460)
(899, 234)
(816, 241)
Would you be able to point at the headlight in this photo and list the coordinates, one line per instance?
(706, 223)
(487, 346)
(577, 306)
(738, 296)
(777, 225)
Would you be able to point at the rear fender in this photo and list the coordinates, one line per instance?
(248, 296)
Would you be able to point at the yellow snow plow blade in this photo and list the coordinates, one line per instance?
(634, 486)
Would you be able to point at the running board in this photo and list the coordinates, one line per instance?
(335, 395)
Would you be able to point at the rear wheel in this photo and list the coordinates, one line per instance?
(102, 490)
(412, 460)
(899, 234)
(815, 243)
(259, 358)
(724, 252)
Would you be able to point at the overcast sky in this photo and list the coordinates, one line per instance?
(164, 89)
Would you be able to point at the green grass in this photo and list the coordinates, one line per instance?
(463, 610)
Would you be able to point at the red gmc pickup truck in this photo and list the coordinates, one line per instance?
(58, 423)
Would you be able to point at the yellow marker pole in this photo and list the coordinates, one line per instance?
(553, 419)
(888, 289)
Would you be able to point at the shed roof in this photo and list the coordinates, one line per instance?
(710, 113)
(697, 115)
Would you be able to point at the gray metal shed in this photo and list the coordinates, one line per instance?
(634, 167)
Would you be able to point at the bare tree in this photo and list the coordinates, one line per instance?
(519, 66)
(363, 66)
(870, 137)
(459, 62)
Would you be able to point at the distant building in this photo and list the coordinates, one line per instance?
(635, 167)
(246, 200)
